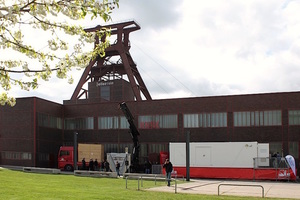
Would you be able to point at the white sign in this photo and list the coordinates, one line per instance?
(290, 159)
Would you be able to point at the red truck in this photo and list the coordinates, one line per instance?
(87, 151)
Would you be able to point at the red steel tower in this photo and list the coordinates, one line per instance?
(115, 76)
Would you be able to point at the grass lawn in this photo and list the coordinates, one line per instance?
(21, 185)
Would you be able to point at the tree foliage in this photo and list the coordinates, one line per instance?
(58, 19)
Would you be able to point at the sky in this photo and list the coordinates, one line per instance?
(189, 48)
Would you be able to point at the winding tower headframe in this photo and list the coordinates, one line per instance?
(105, 75)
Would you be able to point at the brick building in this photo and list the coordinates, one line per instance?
(32, 131)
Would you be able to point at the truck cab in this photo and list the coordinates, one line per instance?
(66, 158)
(87, 151)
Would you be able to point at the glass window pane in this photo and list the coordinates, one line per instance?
(124, 123)
(294, 149)
(213, 120)
(105, 92)
(192, 120)
(160, 121)
(225, 120)
(252, 119)
(247, 119)
(256, 118)
(200, 120)
(235, 119)
(294, 117)
(261, 118)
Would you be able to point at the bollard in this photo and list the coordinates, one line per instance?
(175, 186)
(139, 183)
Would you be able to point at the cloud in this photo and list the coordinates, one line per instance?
(200, 48)
(153, 14)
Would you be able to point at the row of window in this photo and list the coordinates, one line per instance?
(157, 121)
(79, 123)
(15, 155)
(10, 155)
(257, 118)
(205, 120)
(49, 121)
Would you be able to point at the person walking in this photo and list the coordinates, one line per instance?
(169, 168)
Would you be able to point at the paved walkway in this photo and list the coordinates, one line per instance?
(249, 188)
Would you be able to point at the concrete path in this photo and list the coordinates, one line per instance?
(237, 188)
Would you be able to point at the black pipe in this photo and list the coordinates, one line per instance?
(75, 151)
(187, 146)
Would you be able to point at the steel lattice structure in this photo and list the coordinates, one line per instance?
(116, 63)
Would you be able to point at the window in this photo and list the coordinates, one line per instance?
(294, 149)
(15, 155)
(42, 120)
(79, 123)
(108, 122)
(55, 122)
(157, 148)
(105, 92)
(294, 117)
(124, 123)
(191, 120)
(275, 147)
(257, 118)
(205, 120)
(113, 122)
(45, 120)
(43, 157)
(64, 153)
(25, 156)
(157, 121)
(218, 120)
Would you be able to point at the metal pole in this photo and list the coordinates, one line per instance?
(187, 156)
(254, 169)
(75, 151)
(141, 181)
(126, 181)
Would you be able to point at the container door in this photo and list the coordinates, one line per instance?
(202, 156)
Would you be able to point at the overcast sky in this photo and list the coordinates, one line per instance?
(189, 48)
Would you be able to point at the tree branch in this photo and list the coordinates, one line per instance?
(27, 71)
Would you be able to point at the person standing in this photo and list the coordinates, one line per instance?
(148, 166)
(83, 164)
(96, 165)
(169, 168)
(118, 169)
(102, 168)
(106, 164)
(91, 165)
